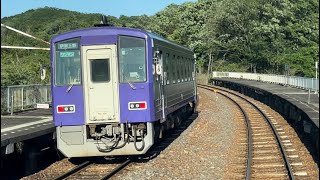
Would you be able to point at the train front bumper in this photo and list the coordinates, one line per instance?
(73, 143)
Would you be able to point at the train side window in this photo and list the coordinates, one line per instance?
(167, 69)
(178, 69)
(191, 69)
(185, 69)
(182, 69)
(188, 69)
(174, 73)
(100, 70)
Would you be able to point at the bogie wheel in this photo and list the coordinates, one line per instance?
(177, 120)
(157, 131)
(189, 109)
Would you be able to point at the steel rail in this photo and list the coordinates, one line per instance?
(74, 170)
(117, 169)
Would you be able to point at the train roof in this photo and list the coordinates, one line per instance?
(115, 30)
(158, 37)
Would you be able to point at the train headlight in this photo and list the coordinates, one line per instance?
(65, 108)
(137, 105)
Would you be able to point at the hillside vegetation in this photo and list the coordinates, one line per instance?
(245, 35)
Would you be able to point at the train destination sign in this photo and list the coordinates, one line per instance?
(68, 46)
(66, 54)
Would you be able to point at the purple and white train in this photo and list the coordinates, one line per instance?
(116, 90)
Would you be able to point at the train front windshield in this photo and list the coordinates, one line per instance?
(132, 59)
(67, 63)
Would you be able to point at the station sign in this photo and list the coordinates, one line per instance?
(42, 106)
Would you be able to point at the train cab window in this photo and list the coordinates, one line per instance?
(100, 70)
(132, 59)
(67, 69)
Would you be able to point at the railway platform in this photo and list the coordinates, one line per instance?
(25, 126)
(299, 106)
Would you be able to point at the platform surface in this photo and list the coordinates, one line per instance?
(26, 125)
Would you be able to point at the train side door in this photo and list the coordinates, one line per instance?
(158, 65)
(100, 75)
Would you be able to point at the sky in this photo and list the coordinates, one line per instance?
(106, 7)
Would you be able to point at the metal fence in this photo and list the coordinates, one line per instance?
(23, 97)
(299, 82)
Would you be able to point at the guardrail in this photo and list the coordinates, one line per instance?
(23, 97)
(299, 82)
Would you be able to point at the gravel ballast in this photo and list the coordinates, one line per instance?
(200, 152)
(211, 147)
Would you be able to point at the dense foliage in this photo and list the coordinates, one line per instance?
(245, 35)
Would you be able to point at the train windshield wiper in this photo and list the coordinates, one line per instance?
(130, 84)
(69, 88)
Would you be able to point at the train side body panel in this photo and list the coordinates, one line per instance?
(178, 91)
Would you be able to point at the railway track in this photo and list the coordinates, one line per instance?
(91, 170)
(268, 152)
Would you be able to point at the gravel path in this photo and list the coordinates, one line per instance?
(200, 152)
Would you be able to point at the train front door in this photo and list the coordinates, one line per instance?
(100, 83)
